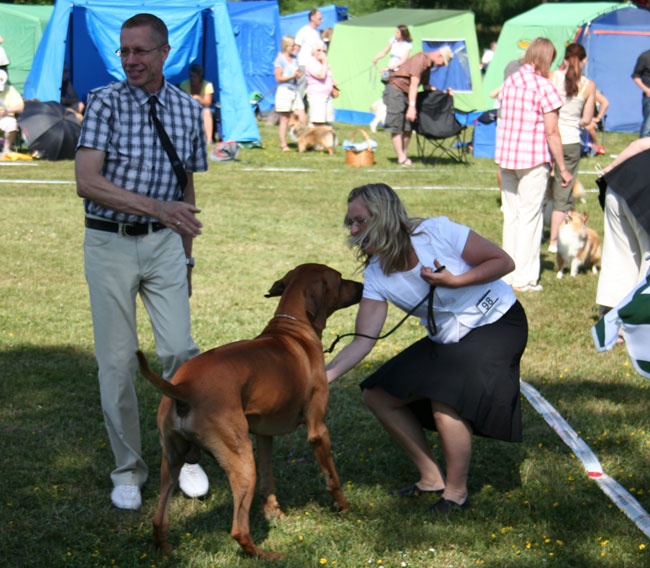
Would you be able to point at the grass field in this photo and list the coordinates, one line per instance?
(533, 504)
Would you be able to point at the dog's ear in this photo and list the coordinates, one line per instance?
(278, 288)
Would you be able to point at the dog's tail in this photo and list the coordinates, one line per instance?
(157, 381)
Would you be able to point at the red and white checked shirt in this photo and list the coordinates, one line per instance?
(524, 99)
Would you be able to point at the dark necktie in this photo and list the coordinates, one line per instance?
(167, 145)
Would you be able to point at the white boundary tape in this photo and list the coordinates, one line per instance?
(614, 490)
(38, 181)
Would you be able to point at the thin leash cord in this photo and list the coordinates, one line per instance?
(274, 87)
(431, 322)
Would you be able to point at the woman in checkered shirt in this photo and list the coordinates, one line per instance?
(528, 140)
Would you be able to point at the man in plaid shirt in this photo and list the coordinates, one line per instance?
(527, 138)
(140, 224)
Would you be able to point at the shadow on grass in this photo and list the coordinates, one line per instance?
(56, 463)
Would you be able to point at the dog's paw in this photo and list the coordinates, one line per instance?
(560, 274)
(594, 269)
(341, 505)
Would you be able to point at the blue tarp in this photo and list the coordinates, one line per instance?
(613, 43)
(291, 23)
(256, 25)
(85, 34)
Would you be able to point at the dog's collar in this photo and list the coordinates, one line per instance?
(286, 316)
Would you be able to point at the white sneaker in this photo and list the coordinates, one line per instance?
(126, 497)
(552, 248)
(193, 480)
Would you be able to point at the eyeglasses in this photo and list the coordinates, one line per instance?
(137, 52)
(358, 221)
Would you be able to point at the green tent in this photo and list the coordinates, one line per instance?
(357, 41)
(21, 27)
(559, 22)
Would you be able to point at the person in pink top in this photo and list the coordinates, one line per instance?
(528, 139)
(319, 86)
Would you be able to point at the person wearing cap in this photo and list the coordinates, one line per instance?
(401, 93)
(202, 91)
(11, 103)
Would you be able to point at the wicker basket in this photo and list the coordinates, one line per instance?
(362, 158)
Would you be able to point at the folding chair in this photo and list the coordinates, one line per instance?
(439, 133)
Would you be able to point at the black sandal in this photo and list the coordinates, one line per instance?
(413, 491)
(445, 506)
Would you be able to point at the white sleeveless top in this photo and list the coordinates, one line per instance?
(571, 110)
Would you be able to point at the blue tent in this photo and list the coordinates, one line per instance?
(85, 34)
(291, 23)
(613, 43)
(256, 25)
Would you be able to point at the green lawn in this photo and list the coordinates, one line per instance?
(533, 504)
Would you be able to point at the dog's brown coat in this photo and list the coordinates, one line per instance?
(266, 386)
(317, 137)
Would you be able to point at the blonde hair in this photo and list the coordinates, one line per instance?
(286, 42)
(540, 54)
(389, 228)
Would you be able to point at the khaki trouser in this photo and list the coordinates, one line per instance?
(117, 269)
(523, 222)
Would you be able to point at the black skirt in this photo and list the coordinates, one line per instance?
(478, 376)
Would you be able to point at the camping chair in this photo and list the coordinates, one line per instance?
(439, 133)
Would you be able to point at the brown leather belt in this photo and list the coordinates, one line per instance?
(128, 229)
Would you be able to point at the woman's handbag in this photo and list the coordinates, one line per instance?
(360, 158)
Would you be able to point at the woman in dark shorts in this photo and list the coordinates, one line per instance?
(463, 377)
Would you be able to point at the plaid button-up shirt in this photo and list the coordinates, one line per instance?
(521, 139)
(117, 122)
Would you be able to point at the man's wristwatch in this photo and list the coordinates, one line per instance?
(190, 262)
(411, 103)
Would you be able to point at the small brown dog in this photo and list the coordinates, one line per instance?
(577, 244)
(316, 137)
(266, 386)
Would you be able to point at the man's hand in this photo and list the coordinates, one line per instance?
(179, 216)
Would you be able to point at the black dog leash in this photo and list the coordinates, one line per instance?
(431, 322)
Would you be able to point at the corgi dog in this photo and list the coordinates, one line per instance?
(317, 137)
(577, 244)
(378, 108)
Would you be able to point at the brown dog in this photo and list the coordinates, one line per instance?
(266, 386)
(317, 137)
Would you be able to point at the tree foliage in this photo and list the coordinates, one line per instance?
(489, 13)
